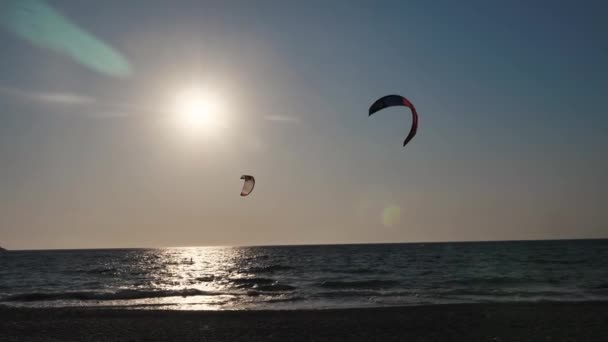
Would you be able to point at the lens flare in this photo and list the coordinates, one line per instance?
(391, 216)
(42, 25)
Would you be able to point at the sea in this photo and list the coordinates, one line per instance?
(307, 277)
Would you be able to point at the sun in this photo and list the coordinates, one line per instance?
(198, 111)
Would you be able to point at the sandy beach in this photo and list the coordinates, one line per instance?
(459, 322)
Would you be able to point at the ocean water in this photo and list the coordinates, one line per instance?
(296, 277)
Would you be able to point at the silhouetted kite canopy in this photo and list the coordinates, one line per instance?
(397, 100)
(247, 185)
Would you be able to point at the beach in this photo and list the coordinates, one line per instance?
(582, 321)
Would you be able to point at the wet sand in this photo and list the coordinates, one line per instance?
(459, 322)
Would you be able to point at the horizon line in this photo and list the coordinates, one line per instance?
(303, 244)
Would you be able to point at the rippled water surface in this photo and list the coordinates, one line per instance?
(295, 277)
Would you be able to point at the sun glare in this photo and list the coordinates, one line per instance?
(199, 111)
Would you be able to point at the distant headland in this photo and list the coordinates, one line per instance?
(3, 249)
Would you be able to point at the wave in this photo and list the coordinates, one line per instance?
(276, 287)
(269, 269)
(102, 296)
(94, 271)
(261, 284)
(505, 293)
(288, 299)
(362, 284)
(340, 294)
(602, 286)
(368, 295)
(557, 261)
(205, 278)
(257, 257)
(361, 270)
(251, 282)
(489, 281)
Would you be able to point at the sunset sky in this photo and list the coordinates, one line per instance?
(99, 146)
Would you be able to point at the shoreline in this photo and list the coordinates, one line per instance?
(521, 321)
(159, 308)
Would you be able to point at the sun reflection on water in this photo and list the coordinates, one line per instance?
(200, 278)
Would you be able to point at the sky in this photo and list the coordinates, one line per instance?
(95, 151)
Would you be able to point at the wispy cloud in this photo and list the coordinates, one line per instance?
(63, 98)
(282, 119)
(86, 106)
